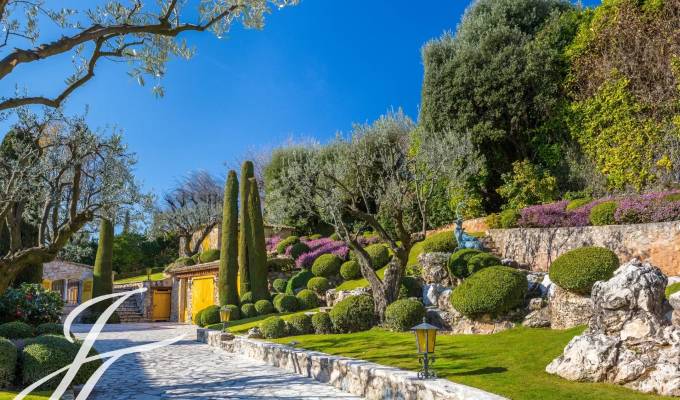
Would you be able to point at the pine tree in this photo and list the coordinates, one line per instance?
(247, 172)
(257, 251)
(102, 280)
(228, 273)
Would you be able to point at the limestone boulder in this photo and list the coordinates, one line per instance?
(334, 296)
(568, 309)
(431, 294)
(434, 268)
(536, 288)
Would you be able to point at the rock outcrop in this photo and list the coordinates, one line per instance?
(334, 296)
(628, 341)
(568, 309)
(435, 269)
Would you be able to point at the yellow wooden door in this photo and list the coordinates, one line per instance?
(202, 295)
(160, 310)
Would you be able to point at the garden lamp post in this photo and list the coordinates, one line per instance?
(426, 336)
(225, 315)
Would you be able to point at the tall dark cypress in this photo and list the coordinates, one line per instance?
(247, 172)
(228, 274)
(257, 251)
(102, 278)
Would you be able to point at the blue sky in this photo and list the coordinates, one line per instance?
(314, 70)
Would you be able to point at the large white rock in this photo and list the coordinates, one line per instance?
(334, 296)
(435, 268)
(568, 309)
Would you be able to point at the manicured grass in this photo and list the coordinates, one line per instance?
(9, 395)
(511, 363)
(159, 276)
(361, 282)
(242, 325)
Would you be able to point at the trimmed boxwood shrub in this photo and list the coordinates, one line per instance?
(603, 213)
(283, 244)
(379, 255)
(280, 264)
(577, 270)
(353, 314)
(672, 288)
(350, 270)
(49, 328)
(279, 285)
(326, 265)
(508, 218)
(273, 327)
(198, 318)
(413, 286)
(8, 362)
(264, 307)
(307, 299)
(459, 260)
(480, 261)
(404, 314)
(298, 249)
(576, 203)
(298, 281)
(322, 323)
(16, 330)
(247, 298)
(286, 303)
(209, 256)
(248, 310)
(210, 315)
(318, 284)
(235, 312)
(441, 242)
(299, 324)
(493, 290)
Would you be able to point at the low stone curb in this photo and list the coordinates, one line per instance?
(358, 377)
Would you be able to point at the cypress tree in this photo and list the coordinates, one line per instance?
(229, 244)
(102, 280)
(257, 251)
(247, 172)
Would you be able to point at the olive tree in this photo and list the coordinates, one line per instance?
(144, 35)
(370, 181)
(56, 176)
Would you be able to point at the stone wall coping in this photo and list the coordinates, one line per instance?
(594, 227)
(358, 377)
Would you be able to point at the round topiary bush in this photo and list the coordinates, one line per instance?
(307, 299)
(279, 285)
(247, 298)
(577, 270)
(298, 249)
(234, 311)
(379, 255)
(480, 261)
(318, 284)
(404, 314)
(264, 307)
(353, 314)
(350, 270)
(326, 265)
(209, 256)
(298, 281)
(16, 330)
(413, 286)
(322, 323)
(198, 318)
(8, 362)
(299, 324)
(283, 244)
(210, 315)
(248, 310)
(576, 203)
(603, 214)
(493, 290)
(277, 296)
(442, 242)
(458, 262)
(286, 303)
(49, 328)
(273, 327)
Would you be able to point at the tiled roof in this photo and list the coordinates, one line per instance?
(194, 268)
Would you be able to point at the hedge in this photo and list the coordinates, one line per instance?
(210, 315)
(379, 255)
(299, 324)
(441, 242)
(603, 213)
(298, 249)
(198, 317)
(480, 261)
(298, 281)
(459, 260)
(413, 286)
(16, 330)
(209, 256)
(247, 298)
(279, 285)
(273, 327)
(493, 290)
(264, 307)
(248, 310)
(353, 314)
(404, 314)
(322, 323)
(577, 270)
(286, 303)
(350, 270)
(235, 312)
(318, 285)
(283, 244)
(8, 362)
(307, 299)
(49, 328)
(326, 265)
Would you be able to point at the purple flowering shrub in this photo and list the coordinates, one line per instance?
(321, 246)
(272, 242)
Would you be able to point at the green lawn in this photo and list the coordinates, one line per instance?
(242, 325)
(5, 395)
(159, 276)
(511, 363)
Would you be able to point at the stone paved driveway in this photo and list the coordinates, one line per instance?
(190, 370)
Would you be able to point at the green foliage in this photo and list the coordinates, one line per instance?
(264, 307)
(379, 255)
(286, 303)
(247, 298)
(248, 310)
(526, 185)
(30, 303)
(443, 242)
(234, 311)
(307, 299)
(280, 264)
(8, 362)
(284, 243)
(353, 314)
(576, 203)
(298, 281)
(413, 286)
(493, 290)
(273, 327)
(244, 234)
(672, 288)
(318, 285)
(326, 265)
(209, 256)
(49, 328)
(603, 213)
(299, 324)
(315, 236)
(508, 218)
(577, 270)
(404, 314)
(184, 261)
(279, 285)
(16, 330)
(322, 323)
(297, 249)
(350, 270)
(257, 250)
(102, 279)
(672, 197)
(334, 236)
(228, 273)
(196, 258)
(210, 315)
(458, 262)
(198, 320)
(480, 261)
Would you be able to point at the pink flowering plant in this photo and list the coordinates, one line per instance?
(321, 246)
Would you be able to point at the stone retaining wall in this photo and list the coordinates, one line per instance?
(658, 243)
(361, 378)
